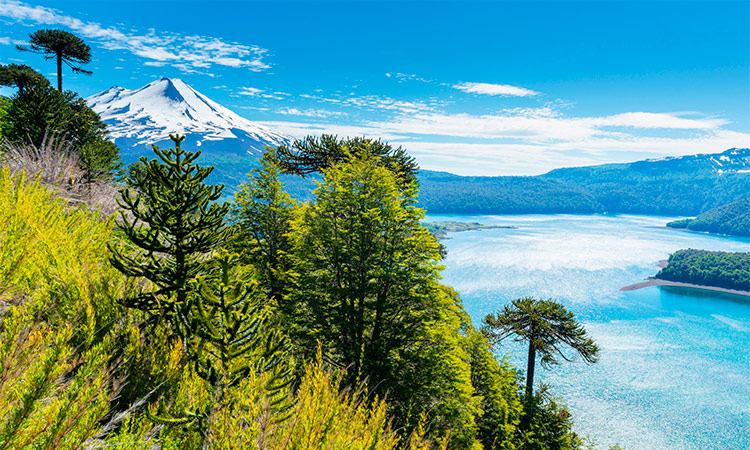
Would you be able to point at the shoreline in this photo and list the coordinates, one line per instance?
(658, 282)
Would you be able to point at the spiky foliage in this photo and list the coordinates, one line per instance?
(171, 226)
(325, 414)
(20, 76)
(547, 327)
(313, 154)
(63, 47)
(261, 215)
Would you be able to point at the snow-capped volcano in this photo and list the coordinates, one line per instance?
(145, 116)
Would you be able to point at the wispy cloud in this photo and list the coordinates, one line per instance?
(187, 53)
(402, 77)
(540, 124)
(530, 141)
(377, 102)
(4, 40)
(260, 93)
(318, 113)
(250, 91)
(504, 90)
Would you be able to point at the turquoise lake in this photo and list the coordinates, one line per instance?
(675, 363)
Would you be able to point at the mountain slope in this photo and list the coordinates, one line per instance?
(138, 118)
(686, 185)
(733, 218)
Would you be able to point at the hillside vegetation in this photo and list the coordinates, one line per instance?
(709, 268)
(176, 320)
(85, 365)
(732, 219)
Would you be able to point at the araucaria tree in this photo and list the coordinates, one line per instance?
(169, 218)
(20, 76)
(63, 47)
(547, 327)
(314, 154)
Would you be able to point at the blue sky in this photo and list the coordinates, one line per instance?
(484, 88)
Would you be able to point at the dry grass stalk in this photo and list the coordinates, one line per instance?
(58, 168)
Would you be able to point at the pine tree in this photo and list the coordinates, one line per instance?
(172, 226)
(234, 337)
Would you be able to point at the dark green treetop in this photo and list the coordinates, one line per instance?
(313, 154)
(171, 226)
(20, 76)
(62, 46)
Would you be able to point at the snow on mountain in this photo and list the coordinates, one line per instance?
(145, 116)
(732, 160)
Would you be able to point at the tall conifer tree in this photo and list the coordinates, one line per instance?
(172, 225)
(63, 47)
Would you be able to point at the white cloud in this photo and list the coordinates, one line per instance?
(377, 102)
(531, 141)
(318, 113)
(187, 53)
(250, 91)
(4, 40)
(539, 125)
(260, 93)
(494, 89)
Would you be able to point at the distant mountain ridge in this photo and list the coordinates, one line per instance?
(141, 117)
(684, 185)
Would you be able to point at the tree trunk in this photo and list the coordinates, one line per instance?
(530, 371)
(59, 72)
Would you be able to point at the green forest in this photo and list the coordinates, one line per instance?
(140, 310)
(729, 270)
(732, 219)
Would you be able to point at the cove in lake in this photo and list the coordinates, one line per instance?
(675, 364)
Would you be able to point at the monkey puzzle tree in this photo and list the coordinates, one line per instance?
(172, 226)
(62, 46)
(20, 76)
(313, 154)
(547, 326)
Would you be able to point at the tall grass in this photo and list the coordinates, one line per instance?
(58, 168)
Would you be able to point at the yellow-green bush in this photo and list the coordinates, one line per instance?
(56, 319)
(323, 416)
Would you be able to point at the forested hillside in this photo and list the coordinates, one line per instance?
(202, 333)
(673, 186)
(677, 186)
(721, 269)
(732, 219)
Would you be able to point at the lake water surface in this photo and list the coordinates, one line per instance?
(675, 363)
